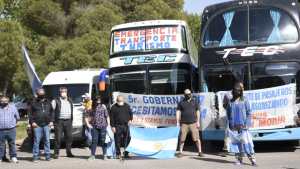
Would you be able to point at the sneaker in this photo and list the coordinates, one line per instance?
(224, 153)
(35, 160)
(104, 157)
(48, 159)
(91, 158)
(126, 155)
(253, 163)
(200, 154)
(55, 156)
(118, 156)
(14, 160)
(238, 163)
(4, 159)
(70, 155)
(179, 155)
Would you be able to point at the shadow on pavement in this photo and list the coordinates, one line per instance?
(213, 160)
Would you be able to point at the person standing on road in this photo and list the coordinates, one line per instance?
(41, 120)
(188, 118)
(9, 117)
(63, 119)
(121, 116)
(239, 118)
(97, 119)
(226, 101)
(4, 158)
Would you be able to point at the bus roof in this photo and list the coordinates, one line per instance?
(72, 77)
(148, 23)
(235, 3)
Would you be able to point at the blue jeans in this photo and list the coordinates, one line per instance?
(39, 132)
(8, 135)
(98, 135)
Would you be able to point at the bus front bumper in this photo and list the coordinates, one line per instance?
(286, 134)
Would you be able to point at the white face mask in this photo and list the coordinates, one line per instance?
(120, 103)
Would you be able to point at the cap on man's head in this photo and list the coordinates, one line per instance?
(187, 91)
(87, 95)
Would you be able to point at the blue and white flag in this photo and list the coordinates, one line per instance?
(160, 143)
(34, 80)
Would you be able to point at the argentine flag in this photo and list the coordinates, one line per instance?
(160, 143)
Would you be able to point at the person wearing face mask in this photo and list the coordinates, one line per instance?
(188, 118)
(4, 158)
(121, 116)
(97, 119)
(239, 119)
(41, 120)
(9, 117)
(63, 119)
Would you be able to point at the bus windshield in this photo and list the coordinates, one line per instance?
(159, 81)
(75, 91)
(241, 27)
(148, 39)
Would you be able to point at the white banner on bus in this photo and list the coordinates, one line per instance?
(148, 38)
(160, 110)
(271, 108)
(149, 59)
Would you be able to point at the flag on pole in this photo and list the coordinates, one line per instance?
(34, 80)
(160, 143)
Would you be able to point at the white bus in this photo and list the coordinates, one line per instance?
(150, 59)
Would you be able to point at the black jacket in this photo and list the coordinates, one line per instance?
(120, 115)
(41, 112)
(58, 108)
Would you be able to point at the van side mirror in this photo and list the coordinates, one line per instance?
(101, 86)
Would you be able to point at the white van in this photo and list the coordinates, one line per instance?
(78, 82)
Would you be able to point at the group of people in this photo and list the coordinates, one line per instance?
(58, 113)
(46, 114)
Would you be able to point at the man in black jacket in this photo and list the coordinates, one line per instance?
(121, 115)
(63, 119)
(41, 120)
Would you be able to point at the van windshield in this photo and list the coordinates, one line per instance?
(75, 91)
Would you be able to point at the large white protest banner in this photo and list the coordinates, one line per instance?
(160, 110)
(271, 108)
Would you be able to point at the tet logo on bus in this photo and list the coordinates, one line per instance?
(250, 51)
(128, 60)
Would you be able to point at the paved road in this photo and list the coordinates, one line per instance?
(286, 159)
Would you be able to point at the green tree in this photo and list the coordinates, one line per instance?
(44, 17)
(10, 53)
(194, 22)
(100, 18)
(155, 9)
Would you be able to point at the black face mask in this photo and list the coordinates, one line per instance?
(41, 97)
(188, 96)
(2, 105)
(237, 93)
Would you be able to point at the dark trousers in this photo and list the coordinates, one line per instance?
(98, 136)
(122, 137)
(63, 127)
(8, 135)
